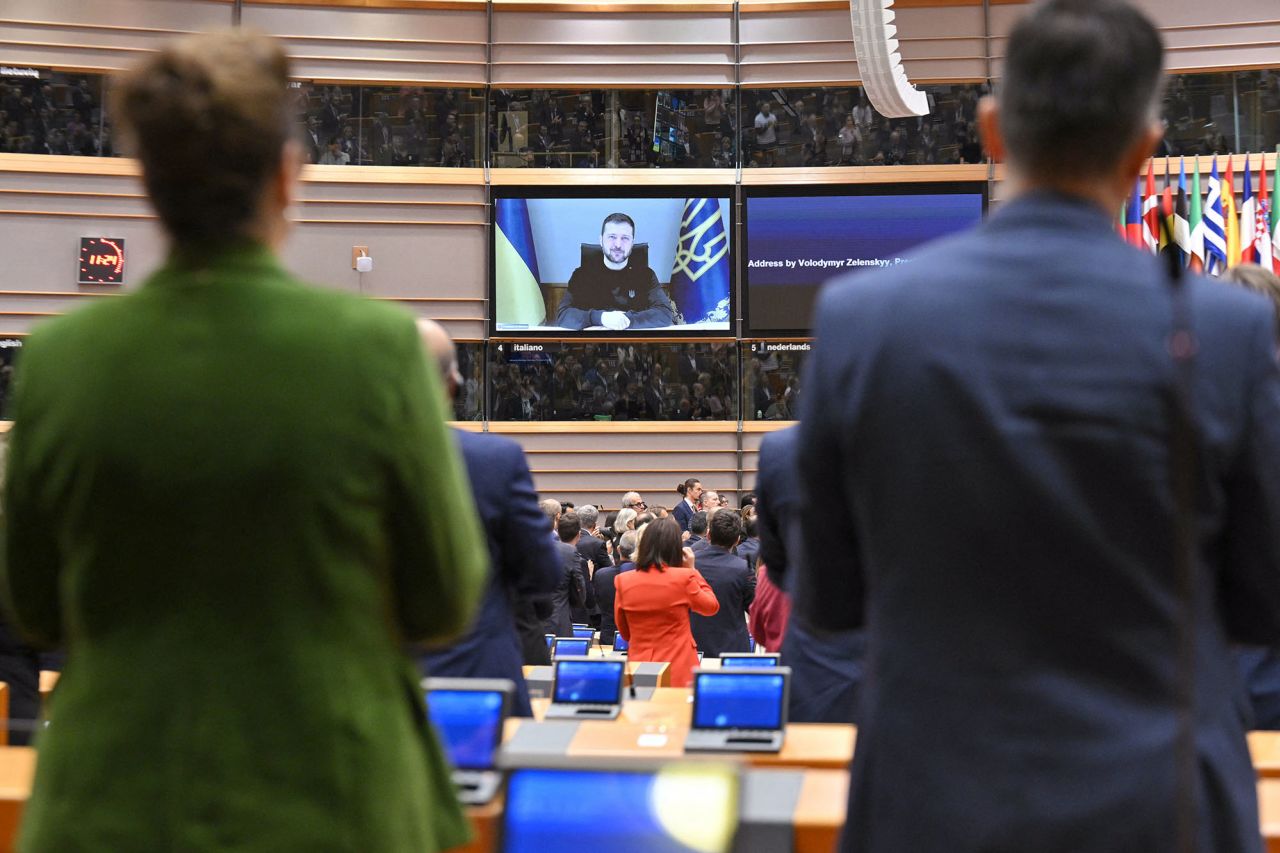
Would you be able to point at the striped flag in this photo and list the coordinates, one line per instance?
(1133, 219)
(1196, 222)
(1215, 234)
(1230, 221)
(1248, 219)
(517, 293)
(1275, 213)
(1150, 215)
(1262, 222)
(1181, 222)
(1168, 238)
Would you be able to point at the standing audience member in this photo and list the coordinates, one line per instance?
(652, 603)
(749, 548)
(734, 585)
(590, 545)
(603, 581)
(524, 567)
(572, 591)
(995, 501)
(697, 539)
(691, 492)
(251, 532)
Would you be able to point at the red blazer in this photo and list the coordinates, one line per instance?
(652, 611)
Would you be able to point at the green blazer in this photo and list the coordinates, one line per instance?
(232, 498)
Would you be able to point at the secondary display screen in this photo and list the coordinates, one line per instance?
(679, 809)
(738, 701)
(101, 260)
(570, 646)
(468, 723)
(596, 262)
(796, 243)
(748, 661)
(620, 643)
(584, 633)
(598, 681)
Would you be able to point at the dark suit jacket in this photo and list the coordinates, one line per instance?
(986, 429)
(826, 666)
(682, 513)
(570, 592)
(735, 588)
(524, 567)
(593, 549)
(605, 594)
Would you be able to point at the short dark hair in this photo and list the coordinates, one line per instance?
(660, 545)
(645, 518)
(726, 529)
(1082, 81)
(747, 499)
(683, 488)
(619, 218)
(209, 117)
(568, 526)
(698, 524)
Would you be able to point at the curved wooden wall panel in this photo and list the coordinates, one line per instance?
(403, 45)
(101, 35)
(579, 47)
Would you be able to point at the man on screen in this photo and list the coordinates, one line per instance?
(617, 294)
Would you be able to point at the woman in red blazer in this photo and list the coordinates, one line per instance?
(653, 602)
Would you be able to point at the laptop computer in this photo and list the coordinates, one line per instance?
(574, 646)
(620, 644)
(585, 688)
(581, 805)
(733, 660)
(468, 715)
(739, 710)
(551, 639)
(584, 632)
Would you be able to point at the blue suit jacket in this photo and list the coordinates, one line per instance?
(986, 430)
(683, 514)
(523, 565)
(826, 666)
(735, 588)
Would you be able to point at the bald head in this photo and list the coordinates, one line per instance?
(440, 347)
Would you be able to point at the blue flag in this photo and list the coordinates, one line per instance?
(700, 275)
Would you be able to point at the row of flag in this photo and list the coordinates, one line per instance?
(1208, 232)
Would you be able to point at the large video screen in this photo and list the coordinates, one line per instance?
(794, 243)
(597, 261)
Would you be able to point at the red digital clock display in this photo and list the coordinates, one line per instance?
(102, 260)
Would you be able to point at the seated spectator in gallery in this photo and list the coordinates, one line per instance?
(401, 154)
(334, 155)
(722, 156)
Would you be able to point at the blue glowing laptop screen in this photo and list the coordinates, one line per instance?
(746, 661)
(566, 646)
(596, 681)
(584, 633)
(469, 724)
(738, 701)
(620, 643)
(675, 810)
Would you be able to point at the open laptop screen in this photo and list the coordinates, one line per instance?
(584, 633)
(570, 646)
(593, 681)
(677, 809)
(469, 723)
(620, 643)
(738, 700)
(731, 661)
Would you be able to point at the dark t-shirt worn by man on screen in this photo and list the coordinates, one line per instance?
(633, 289)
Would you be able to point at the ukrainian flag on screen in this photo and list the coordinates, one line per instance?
(700, 275)
(518, 297)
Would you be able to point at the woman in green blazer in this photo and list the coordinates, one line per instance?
(233, 498)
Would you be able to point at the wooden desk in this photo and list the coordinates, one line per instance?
(17, 769)
(819, 746)
(1265, 749)
(48, 681)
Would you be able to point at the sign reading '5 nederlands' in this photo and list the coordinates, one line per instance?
(101, 260)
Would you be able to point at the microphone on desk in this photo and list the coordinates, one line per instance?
(631, 678)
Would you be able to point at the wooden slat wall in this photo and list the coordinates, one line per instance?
(596, 49)
(98, 35)
(425, 228)
(796, 43)
(403, 45)
(1198, 36)
(650, 458)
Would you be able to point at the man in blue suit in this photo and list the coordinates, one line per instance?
(734, 585)
(826, 666)
(606, 592)
(987, 431)
(524, 567)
